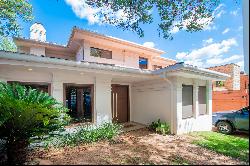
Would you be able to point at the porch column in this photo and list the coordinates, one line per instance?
(57, 90)
(196, 100)
(178, 107)
(103, 100)
(209, 101)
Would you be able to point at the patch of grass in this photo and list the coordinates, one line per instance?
(228, 145)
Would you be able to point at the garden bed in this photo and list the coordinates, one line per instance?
(135, 147)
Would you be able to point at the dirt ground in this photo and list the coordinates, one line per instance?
(135, 147)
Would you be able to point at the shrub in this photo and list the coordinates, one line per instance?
(160, 127)
(84, 134)
(25, 113)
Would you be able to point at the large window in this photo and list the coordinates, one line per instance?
(202, 98)
(156, 67)
(187, 101)
(143, 63)
(45, 87)
(96, 52)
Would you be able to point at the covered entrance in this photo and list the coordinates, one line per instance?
(79, 101)
(120, 103)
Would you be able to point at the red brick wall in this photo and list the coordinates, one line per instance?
(232, 99)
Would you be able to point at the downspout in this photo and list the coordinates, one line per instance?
(171, 102)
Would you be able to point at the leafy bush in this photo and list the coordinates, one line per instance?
(83, 134)
(26, 112)
(160, 127)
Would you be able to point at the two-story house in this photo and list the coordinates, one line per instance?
(101, 78)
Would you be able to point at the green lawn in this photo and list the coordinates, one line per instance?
(228, 145)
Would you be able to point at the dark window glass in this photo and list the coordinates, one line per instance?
(187, 101)
(202, 98)
(44, 87)
(143, 63)
(96, 52)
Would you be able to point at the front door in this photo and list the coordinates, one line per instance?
(119, 103)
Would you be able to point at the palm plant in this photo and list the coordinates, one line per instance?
(25, 113)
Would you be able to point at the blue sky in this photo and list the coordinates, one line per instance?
(219, 43)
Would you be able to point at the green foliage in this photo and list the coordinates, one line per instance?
(26, 112)
(13, 11)
(83, 134)
(189, 15)
(228, 145)
(7, 44)
(160, 127)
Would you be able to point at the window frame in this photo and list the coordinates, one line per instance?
(192, 95)
(140, 65)
(206, 100)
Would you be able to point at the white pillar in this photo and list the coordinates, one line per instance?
(178, 110)
(209, 102)
(102, 100)
(196, 100)
(209, 97)
(57, 90)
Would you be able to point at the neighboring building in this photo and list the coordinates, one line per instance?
(233, 93)
(245, 9)
(101, 78)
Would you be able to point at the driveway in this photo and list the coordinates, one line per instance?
(135, 147)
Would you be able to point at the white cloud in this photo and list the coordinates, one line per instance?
(218, 61)
(84, 11)
(234, 13)
(149, 44)
(240, 28)
(207, 22)
(208, 41)
(241, 64)
(226, 30)
(181, 55)
(174, 30)
(200, 56)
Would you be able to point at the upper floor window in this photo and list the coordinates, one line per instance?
(96, 52)
(156, 67)
(219, 84)
(143, 63)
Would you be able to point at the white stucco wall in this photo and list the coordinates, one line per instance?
(103, 100)
(37, 51)
(119, 57)
(151, 101)
(79, 54)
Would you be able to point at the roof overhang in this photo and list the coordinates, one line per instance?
(21, 58)
(79, 34)
(179, 69)
(189, 71)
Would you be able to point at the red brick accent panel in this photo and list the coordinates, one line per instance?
(232, 100)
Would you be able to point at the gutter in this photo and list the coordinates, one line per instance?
(185, 67)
